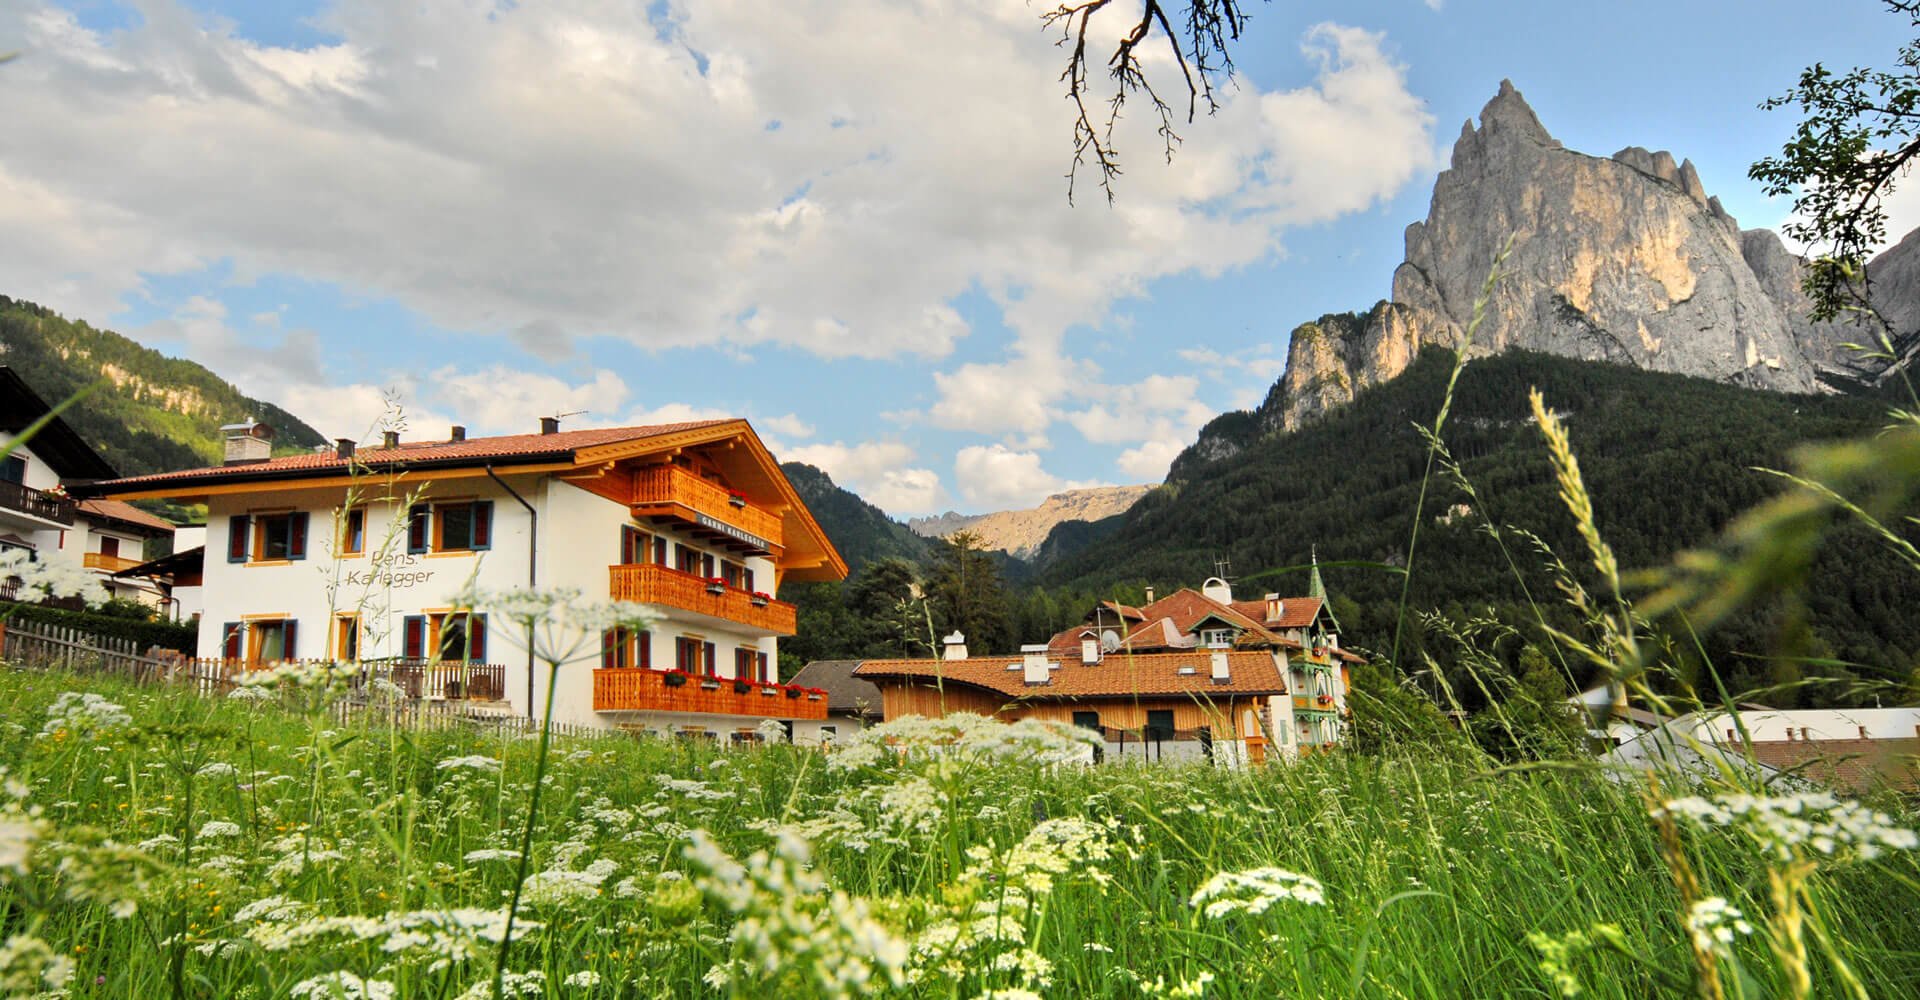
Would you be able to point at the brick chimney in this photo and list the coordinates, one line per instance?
(459, 433)
(549, 425)
(1034, 664)
(956, 646)
(343, 448)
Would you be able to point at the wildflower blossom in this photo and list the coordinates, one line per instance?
(491, 854)
(771, 731)
(344, 986)
(1714, 923)
(1254, 891)
(556, 888)
(473, 762)
(1789, 825)
(37, 580)
(585, 979)
(29, 965)
(217, 769)
(216, 828)
(84, 712)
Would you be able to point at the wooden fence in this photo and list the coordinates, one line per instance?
(36, 646)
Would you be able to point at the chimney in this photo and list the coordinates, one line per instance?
(343, 448)
(1275, 607)
(247, 443)
(459, 433)
(1149, 595)
(1034, 662)
(956, 646)
(390, 439)
(549, 425)
(1089, 649)
(1218, 589)
(1220, 674)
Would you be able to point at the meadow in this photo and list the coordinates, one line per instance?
(154, 844)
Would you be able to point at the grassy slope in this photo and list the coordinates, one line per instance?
(1435, 870)
(161, 414)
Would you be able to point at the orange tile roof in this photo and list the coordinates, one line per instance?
(116, 510)
(1848, 765)
(1295, 612)
(471, 451)
(1116, 676)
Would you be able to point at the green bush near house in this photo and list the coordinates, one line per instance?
(167, 635)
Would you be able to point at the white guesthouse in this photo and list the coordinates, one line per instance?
(356, 555)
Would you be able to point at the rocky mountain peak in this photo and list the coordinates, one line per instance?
(1506, 118)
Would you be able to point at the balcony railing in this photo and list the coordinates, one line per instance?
(638, 689)
(435, 681)
(27, 500)
(110, 564)
(669, 491)
(649, 584)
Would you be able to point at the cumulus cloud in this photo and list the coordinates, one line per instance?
(880, 471)
(995, 477)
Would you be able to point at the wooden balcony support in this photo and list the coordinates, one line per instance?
(670, 588)
(107, 563)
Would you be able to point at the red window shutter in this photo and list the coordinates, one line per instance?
(712, 665)
(297, 535)
(239, 527)
(290, 631)
(483, 524)
(417, 529)
(763, 676)
(413, 637)
(609, 649)
(643, 649)
(232, 635)
(706, 566)
(660, 551)
(477, 638)
(747, 575)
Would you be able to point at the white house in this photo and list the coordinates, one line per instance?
(38, 515)
(356, 554)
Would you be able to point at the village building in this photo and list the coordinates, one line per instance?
(356, 555)
(1195, 674)
(39, 514)
(853, 703)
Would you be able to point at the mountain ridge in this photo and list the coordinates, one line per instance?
(1022, 533)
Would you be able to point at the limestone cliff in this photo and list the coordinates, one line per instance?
(1021, 532)
(1624, 259)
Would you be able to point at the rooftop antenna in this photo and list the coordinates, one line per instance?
(569, 413)
(1223, 568)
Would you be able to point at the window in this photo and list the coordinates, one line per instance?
(447, 636)
(346, 638)
(1217, 637)
(1087, 720)
(109, 546)
(694, 656)
(624, 647)
(271, 641)
(466, 526)
(751, 665)
(733, 573)
(353, 532)
(1159, 724)
(636, 546)
(685, 560)
(267, 537)
(14, 469)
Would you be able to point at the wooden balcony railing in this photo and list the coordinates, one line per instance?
(111, 564)
(436, 681)
(649, 584)
(638, 689)
(27, 500)
(670, 491)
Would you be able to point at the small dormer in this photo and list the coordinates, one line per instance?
(247, 442)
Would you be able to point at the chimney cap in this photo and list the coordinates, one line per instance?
(248, 428)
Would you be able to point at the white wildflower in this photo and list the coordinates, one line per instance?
(474, 762)
(29, 965)
(1254, 891)
(491, 854)
(84, 712)
(215, 828)
(344, 986)
(217, 769)
(37, 580)
(1787, 826)
(585, 979)
(771, 731)
(1714, 923)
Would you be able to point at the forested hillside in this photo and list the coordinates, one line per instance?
(154, 413)
(862, 532)
(1669, 460)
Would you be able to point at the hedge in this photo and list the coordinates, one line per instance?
(184, 638)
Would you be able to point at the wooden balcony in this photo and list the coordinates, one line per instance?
(35, 503)
(725, 606)
(638, 689)
(418, 679)
(667, 492)
(106, 563)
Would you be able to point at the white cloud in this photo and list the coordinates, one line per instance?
(503, 400)
(787, 425)
(1149, 461)
(995, 477)
(904, 492)
(880, 471)
(1230, 367)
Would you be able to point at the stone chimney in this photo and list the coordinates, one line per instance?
(956, 646)
(1089, 649)
(343, 448)
(549, 425)
(1220, 672)
(1275, 607)
(248, 442)
(1034, 663)
(390, 439)
(459, 433)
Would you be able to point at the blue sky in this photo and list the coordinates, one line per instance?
(845, 220)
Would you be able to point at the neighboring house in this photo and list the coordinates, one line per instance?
(1193, 674)
(177, 576)
(38, 514)
(356, 555)
(853, 704)
(1846, 749)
